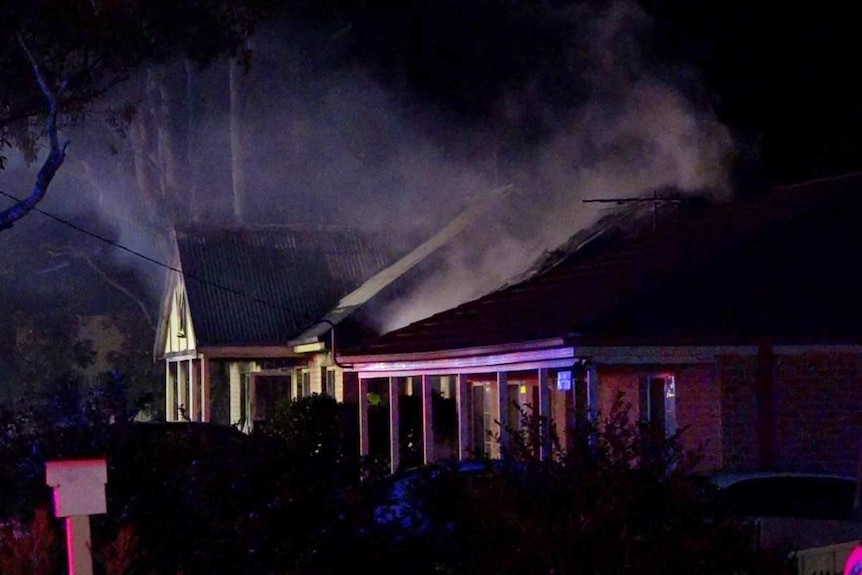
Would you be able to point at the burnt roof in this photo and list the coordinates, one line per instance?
(279, 279)
(777, 268)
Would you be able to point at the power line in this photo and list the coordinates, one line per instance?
(145, 257)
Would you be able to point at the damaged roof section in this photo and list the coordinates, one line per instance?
(278, 279)
(779, 266)
(624, 222)
(398, 275)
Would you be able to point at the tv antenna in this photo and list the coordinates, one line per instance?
(655, 199)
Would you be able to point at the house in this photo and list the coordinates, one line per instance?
(249, 314)
(741, 325)
(235, 301)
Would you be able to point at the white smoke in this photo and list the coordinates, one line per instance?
(636, 135)
(338, 148)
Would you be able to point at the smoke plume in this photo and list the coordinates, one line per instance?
(336, 145)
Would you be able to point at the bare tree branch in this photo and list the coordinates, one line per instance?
(56, 154)
(71, 101)
(110, 281)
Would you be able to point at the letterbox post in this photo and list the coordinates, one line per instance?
(79, 491)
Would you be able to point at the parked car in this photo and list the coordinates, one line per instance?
(790, 510)
(403, 498)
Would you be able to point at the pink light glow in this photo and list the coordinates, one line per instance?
(70, 544)
(469, 363)
(55, 493)
(853, 565)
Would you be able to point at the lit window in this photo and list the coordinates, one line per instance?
(658, 403)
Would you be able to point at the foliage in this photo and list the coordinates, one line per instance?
(132, 366)
(185, 497)
(315, 471)
(92, 45)
(31, 548)
(311, 428)
(65, 419)
(310, 434)
(58, 57)
(203, 499)
(67, 423)
(46, 357)
(46, 349)
(119, 556)
(612, 504)
(194, 498)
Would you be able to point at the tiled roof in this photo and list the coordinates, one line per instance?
(286, 278)
(777, 268)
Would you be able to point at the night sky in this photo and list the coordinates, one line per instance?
(782, 75)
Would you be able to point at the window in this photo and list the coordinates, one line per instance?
(482, 419)
(657, 415)
(245, 401)
(564, 380)
(303, 384)
(329, 381)
(658, 404)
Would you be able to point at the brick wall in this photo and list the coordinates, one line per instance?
(737, 378)
(817, 401)
(698, 408)
(614, 380)
(697, 403)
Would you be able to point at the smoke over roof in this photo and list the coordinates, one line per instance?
(362, 146)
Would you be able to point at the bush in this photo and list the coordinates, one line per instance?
(616, 503)
(205, 499)
(30, 548)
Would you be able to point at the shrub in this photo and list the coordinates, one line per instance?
(30, 548)
(616, 503)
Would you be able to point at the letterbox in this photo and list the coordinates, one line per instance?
(79, 486)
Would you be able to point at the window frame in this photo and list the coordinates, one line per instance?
(648, 402)
(329, 380)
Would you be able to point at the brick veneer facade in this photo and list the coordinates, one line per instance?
(818, 400)
(698, 408)
(800, 411)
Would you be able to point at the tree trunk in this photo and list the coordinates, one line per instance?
(191, 127)
(139, 139)
(165, 145)
(235, 72)
(154, 148)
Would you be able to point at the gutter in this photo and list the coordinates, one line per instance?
(332, 348)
